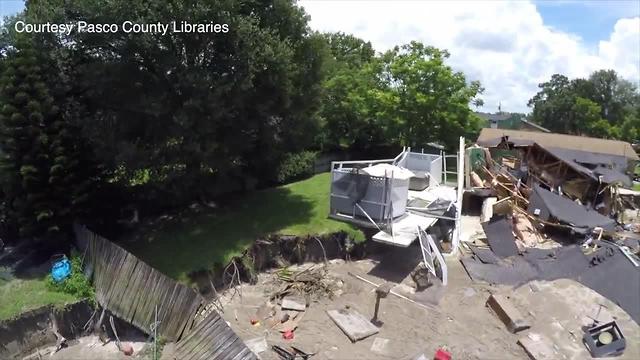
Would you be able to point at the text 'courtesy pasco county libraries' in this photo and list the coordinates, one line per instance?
(126, 26)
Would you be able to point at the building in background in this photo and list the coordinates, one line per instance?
(510, 121)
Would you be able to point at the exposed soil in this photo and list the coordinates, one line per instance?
(460, 322)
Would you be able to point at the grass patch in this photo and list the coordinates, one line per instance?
(20, 295)
(198, 242)
(636, 187)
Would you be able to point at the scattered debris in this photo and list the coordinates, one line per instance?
(312, 282)
(353, 324)
(507, 313)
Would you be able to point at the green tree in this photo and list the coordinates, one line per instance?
(198, 113)
(47, 174)
(424, 99)
(602, 105)
(27, 110)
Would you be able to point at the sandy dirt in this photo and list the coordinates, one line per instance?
(461, 322)
(90, 347)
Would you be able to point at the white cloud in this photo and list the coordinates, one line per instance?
(505, 45)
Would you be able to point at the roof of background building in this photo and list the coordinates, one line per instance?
(535, 126)
(573, 142)
(495, 117)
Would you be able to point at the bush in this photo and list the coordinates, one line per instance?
(296, 166)
(76, 283)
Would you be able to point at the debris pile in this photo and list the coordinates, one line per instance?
(313, 282)
(547, 189)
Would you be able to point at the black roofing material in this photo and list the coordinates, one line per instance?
(485, 255)
(549, 205)
(499, 233)
(599, 167)
(612, 275)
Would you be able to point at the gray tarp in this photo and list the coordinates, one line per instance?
(545, 204)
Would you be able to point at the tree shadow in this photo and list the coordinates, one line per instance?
(199, 240)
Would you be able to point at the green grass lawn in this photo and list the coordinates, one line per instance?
(20, 295)
(636, 187)
(200, 241)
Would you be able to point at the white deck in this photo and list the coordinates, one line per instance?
(405, 229)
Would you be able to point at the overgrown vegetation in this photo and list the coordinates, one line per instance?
(76, 285)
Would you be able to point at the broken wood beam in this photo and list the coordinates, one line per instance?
(394, 293)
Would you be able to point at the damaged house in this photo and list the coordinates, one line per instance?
(557, 178)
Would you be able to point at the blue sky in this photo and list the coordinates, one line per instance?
(10, 7)
(592, 20)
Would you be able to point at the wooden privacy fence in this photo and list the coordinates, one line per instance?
(212, 338)
(131, 289)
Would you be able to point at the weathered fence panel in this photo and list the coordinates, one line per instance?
(131, 289)
(212, 338)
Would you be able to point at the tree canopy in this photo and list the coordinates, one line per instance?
(157, 121)
(603, 105)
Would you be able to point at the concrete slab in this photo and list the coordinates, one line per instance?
(353, 324)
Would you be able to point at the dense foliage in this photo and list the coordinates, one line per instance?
(97, 122)
(406, 96)
(604, 105)
(46, 177)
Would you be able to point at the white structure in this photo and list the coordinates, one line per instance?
(400, 197)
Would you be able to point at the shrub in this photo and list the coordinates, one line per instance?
(76, 283)
(296, 166)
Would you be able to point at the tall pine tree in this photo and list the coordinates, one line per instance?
(46, 178)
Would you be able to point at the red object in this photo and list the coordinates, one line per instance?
(287, 335)
(442, 354)
(127, 349)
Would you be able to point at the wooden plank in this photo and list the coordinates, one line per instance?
(140, 286)
(352, 323)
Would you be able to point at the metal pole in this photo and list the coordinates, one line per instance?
(456, 237)
(155, 335)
